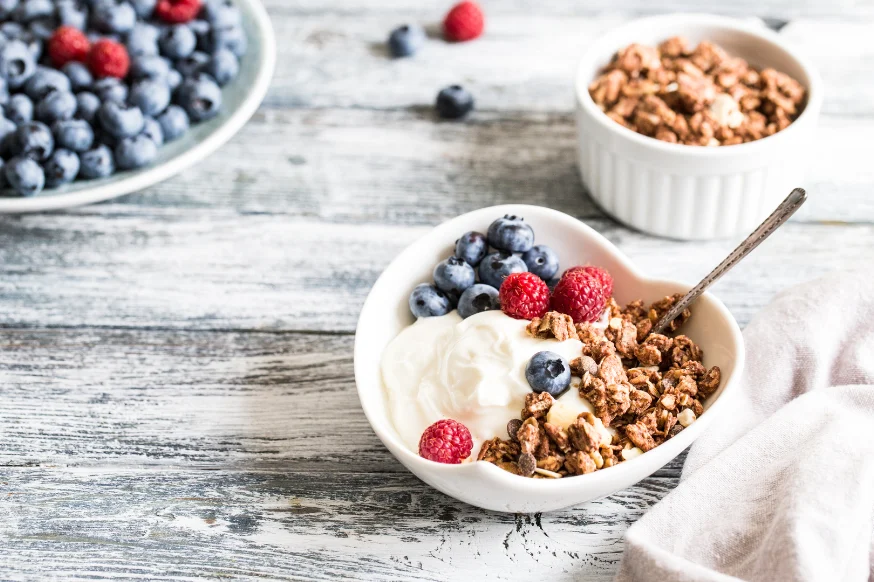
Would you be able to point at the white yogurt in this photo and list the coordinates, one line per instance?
(470, 370)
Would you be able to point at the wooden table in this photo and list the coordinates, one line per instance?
(176, 389)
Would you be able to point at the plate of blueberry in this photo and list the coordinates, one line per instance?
(101, 98)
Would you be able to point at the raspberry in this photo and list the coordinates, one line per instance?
(68, 44)
(177, 11)
(581, 293)
(464, 22)
(524, 296)
(108, 59)
(601, 274)
(446, 441)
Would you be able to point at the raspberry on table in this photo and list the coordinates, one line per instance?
(68, 44)
(446, 441)
(108, 59)
(524, 296)
(464, 22)
(581, 294)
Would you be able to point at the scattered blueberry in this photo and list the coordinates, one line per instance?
(61, 168)
(174, 122)
(472, 247)
(200, 96)
(511, 233)
(428, 301)
(151, 95)
(152, 130)
(454, 275)
(17, 63)
(87, 104)
(496, 266)
(119, 119)
(135, 152)
(542, 261)
(454, 102)
(548, 372)
(405, 40)
(55, 106)
(73, 134)
(34, 140)
(223, 66)
(25, 176)
(177, 42)
(79, 75)
(478, 298)
(96, 163)
(19, 109)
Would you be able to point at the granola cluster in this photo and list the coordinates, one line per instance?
(695, 96)
(646, 386)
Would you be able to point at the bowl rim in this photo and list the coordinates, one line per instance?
(666, 21)
(603, 478)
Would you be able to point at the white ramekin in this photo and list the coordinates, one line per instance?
(690, 192)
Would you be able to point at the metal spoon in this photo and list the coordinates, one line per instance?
(782, 213)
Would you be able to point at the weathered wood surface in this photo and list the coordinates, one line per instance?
(176, 390)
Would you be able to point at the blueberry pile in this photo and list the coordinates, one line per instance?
(470, 279)
(69, 114)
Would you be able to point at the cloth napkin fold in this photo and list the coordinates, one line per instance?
(781, 486)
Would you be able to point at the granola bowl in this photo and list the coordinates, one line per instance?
(386, 313)
(685, 191)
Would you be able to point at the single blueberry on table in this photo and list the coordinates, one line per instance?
(542, 261)
(429, 301)
(200, 96)
(511, 233)
(405, 40)
(174, 122)
(151, 95)
(73, 134)
(142, 40)
(19, 109)
(135, 152)
(119, 119)
(34, 140)
(61, 168)
(112, 17)
(454, 102)
(25, 176)
(17, 63)
(495, 267)
(96, 163)
(45, 80)
(472, 247)
(548, 372)
(177, 42)
(454, 275)
(79, 75)
(55, 106)
(110, 89)
(87, 104)
(478, 298)
(223, 66)
(152, 130)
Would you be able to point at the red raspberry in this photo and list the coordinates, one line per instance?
(601, 274)
(524, 296)
(177, 11)
(464, 22)
(446, 441)
(108, 59)
(68, 44)
(581, 294)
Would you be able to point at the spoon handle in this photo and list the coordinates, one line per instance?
(780, 215)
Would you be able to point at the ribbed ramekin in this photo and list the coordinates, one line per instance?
(691, 192)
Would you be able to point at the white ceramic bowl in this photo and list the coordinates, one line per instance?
(240, 98)
(689, 192)
(386, 313)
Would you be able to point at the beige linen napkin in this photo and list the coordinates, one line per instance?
(781, 487)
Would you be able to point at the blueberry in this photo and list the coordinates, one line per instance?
(87, 104)
(173, 79)
(230, 37)
(200, 96)
(454, 102)
(223, 66)
(73, 134)
(142, 40)
(34, 140)
(454, 275)
(17, 63)
(135, 152)
(149, 67)
(45, 80)
(221, 13)
(110, 89)
(119, 119)
(144, 8)
(496, 266)
(548, 372)
(19, 109)
(96, 163)
(405, 40)
(4, 91)
(11, 30)
(61, 168)
(71, 13)
(43, 28)
(427, 301)
(7, 7)
(151, 95)
(31, 9)
(511, 233)
(177, 42)
(79, 75)
(174, 122)
(56, 105)
(472, 247)
(7, 126)
(194, 63)
(152, 130)
(542, 261)
(113, 17)
(34, 45)
(477, 299)
(25, 176)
